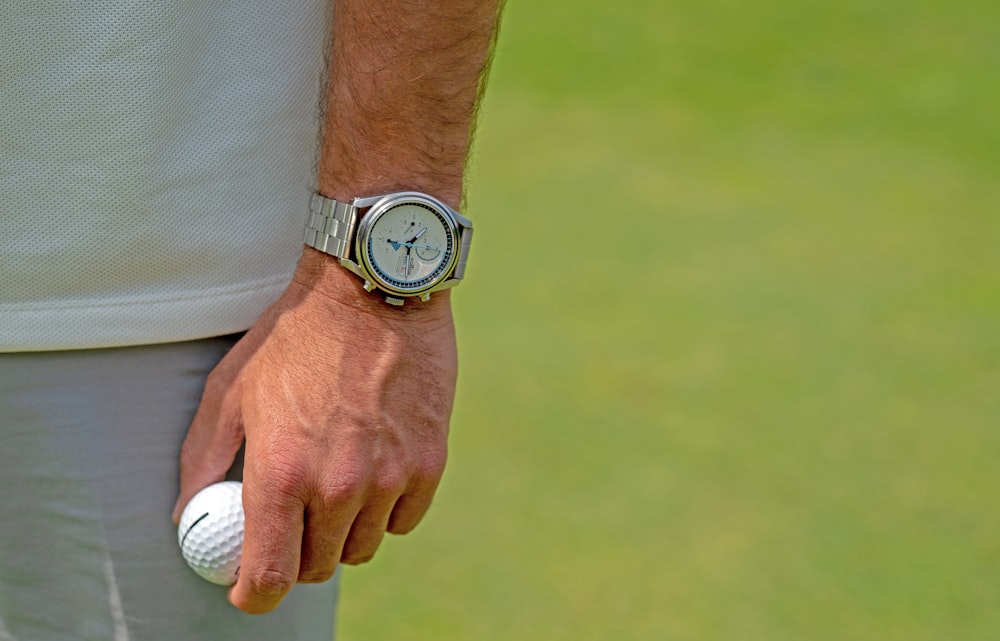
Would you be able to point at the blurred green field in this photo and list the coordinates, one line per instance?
(730, 337)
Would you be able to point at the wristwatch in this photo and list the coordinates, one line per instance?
(403, 244)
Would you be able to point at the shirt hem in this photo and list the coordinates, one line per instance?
(90, 324)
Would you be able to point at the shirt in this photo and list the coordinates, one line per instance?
(156, 159)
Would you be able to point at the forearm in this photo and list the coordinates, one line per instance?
(405, 77)
(327, 474)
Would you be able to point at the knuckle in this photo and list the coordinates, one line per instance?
(269, 582)
(390, 482)
(343, 489)
(430, 465)
(287, 479)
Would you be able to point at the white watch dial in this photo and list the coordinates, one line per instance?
(410, 247)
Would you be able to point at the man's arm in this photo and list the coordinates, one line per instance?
(405, 81)
(344, 401)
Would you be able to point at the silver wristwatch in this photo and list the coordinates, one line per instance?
(406, 243)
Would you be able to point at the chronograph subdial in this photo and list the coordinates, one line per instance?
(427, 253)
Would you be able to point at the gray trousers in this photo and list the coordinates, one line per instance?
(89, 442)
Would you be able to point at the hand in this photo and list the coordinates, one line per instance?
(397, 244)
(344, 403)
(414, 245)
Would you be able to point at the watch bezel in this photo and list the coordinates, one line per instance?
(387, 204)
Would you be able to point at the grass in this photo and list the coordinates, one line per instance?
(730, 343)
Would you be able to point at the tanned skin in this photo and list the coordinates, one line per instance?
(343, 400)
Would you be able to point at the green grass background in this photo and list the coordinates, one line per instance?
(730, 337)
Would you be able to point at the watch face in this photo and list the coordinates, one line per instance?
(410, 246)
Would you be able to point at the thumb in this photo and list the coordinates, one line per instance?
(212, 441)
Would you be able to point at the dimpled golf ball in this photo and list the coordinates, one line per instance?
(211, 532)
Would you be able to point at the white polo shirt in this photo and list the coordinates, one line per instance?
(156, 159)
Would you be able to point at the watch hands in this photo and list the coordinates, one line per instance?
(397, 244)
(415, 246)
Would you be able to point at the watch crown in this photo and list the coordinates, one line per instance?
(392, 300)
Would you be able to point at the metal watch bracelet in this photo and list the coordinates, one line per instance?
(331, 226)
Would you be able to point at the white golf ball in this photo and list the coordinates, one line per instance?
(211, 532)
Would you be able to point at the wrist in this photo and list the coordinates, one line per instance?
(323, 274)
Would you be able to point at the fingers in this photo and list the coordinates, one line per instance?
(366, 534)
(272, 541)
(327, 525)
(409, 511)
(288, 540)
(413, 505)
(347, 524)
(212, 441)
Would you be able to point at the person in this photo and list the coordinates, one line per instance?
(160, 317)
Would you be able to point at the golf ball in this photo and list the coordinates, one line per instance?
(211, 532)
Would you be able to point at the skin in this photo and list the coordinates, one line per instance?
(343, 400)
